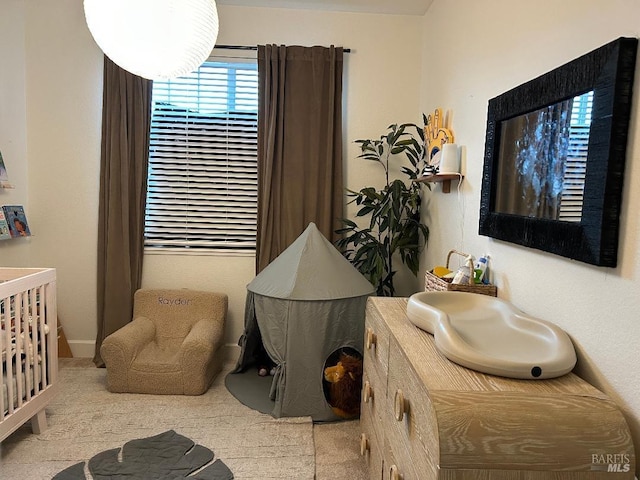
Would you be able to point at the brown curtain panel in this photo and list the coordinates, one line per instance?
(300, 173)
(126, 118)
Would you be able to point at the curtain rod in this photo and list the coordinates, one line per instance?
(253, 47)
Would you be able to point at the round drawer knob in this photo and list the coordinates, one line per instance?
(394, 474)
(370, 340)
(399, 405)
(364, 444)
(367, 392)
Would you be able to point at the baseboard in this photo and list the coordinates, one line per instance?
(82, 348)
(231, 352)
(86, 349)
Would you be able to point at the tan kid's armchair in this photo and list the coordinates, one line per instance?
(171, 347)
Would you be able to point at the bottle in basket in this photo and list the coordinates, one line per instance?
(463, 274)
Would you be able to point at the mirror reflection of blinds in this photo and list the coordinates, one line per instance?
(576, 164)
(202, 179)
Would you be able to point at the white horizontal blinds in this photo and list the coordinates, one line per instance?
(576, 165)
(202, 181)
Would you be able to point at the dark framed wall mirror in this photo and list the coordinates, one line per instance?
(555, 154)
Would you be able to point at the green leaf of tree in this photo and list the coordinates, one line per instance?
(393, 210)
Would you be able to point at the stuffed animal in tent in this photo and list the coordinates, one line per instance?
(265, 365)
(345, 384)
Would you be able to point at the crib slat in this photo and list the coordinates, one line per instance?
(5, 348)
(49, 313)
(25, 360)
(44, 320)
(16, 320)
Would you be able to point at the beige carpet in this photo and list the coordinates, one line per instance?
(338, 451)
(86, 419)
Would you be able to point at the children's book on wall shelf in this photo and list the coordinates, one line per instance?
(4, 176)
(4, 227)
(16, 221)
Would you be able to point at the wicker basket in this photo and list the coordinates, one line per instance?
(433, 283)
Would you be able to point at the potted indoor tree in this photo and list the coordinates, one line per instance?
(393, 229)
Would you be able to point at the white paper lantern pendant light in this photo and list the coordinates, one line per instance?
(155, 39)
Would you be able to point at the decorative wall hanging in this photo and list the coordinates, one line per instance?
(436, 135)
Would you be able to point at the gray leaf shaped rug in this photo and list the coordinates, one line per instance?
(167, 456)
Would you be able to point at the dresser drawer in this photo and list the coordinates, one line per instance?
(370, 445)
(373, 402)
(413, 425)
(376, 342)
(396, 468)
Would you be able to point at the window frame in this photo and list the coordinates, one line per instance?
(160, 243)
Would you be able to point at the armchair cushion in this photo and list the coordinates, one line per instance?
(172, 346)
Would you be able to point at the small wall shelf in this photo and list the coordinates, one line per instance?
(444, 178)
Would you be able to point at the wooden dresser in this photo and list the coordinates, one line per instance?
(424, 417)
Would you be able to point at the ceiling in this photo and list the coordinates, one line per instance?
(397, 7)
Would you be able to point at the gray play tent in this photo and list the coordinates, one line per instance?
(306, 305)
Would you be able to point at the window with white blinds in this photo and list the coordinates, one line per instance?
(202, 179)
(575, 172)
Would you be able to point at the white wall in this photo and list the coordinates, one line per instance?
(475, 51)
(64, 105)
(64, 96)
(13, 133)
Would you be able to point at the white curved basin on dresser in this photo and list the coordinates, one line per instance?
(492, 336)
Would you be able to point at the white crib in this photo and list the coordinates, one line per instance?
(28, 347)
